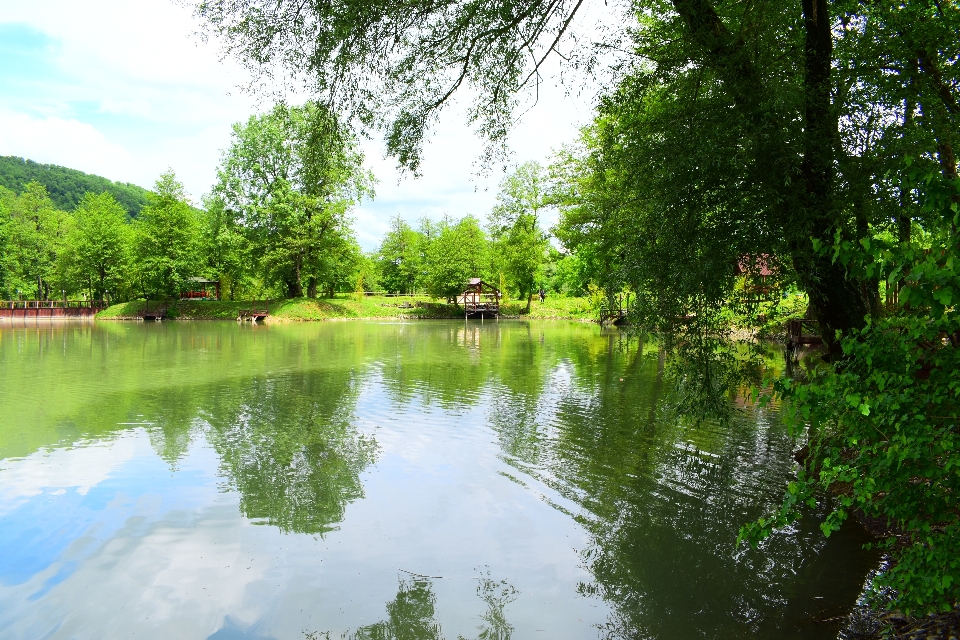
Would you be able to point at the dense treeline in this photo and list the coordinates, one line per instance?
(97, 250)
(276, 224)
(67, 187)
(511, 251)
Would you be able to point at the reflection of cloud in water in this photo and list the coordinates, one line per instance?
(121, 558)
(233, 630)
(59, 469)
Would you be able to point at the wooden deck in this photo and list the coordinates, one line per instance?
(49, 309)
(254, 315)
(155, 314)
(614, 316)
(480, 300)
(801, 332)
(615, 311)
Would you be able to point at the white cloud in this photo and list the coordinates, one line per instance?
(129, 90)
(126, 91)
(68, 142)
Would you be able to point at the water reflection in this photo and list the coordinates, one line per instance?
(289, 447)
(540, 449)
(663, 501)
(412, 614)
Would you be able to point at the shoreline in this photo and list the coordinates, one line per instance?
(345, 308)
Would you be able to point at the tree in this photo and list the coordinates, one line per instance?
(227, 250)
(458, 253)
(784, 85)
(34, 231)
(97, 247)
(519, 244)
(398, 259)
(6, 224)
(570, 275)
(289, 180)
(167, 240)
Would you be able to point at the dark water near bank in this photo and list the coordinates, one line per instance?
(362, 480)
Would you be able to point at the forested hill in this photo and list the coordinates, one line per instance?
(67, 186)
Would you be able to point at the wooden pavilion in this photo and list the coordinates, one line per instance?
(480, 298)
(760, 275)
(199, 289)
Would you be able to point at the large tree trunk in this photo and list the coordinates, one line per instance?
(837, 300)
(808, 212)
(294, 285)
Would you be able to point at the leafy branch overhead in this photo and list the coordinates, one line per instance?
(395, 64)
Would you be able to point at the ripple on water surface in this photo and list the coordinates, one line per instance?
(427, 480)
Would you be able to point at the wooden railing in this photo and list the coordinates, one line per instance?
(52, 304)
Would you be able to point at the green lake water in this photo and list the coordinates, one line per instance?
(386, 480)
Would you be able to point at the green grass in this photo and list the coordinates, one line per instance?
(346, 306)
(557, 308)
(185, 310)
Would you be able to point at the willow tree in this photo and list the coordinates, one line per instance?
(288, 181)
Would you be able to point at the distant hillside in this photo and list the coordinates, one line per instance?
(67, 186)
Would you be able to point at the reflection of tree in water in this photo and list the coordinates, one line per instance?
(453, 365)
(411, 615)
(173, 422)
(663, 501)
(288, 446)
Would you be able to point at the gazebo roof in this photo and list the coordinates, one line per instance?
(477, 284)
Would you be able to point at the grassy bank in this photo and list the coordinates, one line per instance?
(345, 306)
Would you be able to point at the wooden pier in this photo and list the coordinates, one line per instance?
(801, 332)
(254, 314)
(156, 314)
(49, 309)
(614, 311)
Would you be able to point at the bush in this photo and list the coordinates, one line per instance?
(882, 422)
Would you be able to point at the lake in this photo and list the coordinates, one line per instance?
(388, 480)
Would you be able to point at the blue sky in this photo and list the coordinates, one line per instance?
(125, 89)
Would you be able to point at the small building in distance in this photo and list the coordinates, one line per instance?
(760, 276)
(480, 298)
(200, 289)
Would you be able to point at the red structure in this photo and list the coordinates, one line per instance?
(52, 309)
(199, 290)
(760, 273)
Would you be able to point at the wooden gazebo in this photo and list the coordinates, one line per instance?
(480, 299)
(760, 275)
(198, 289)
